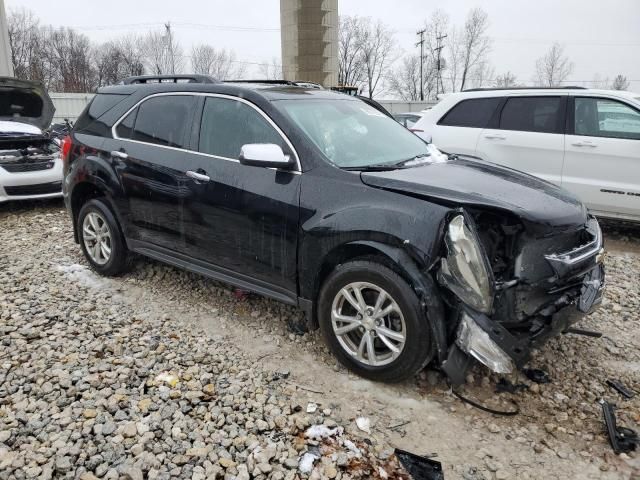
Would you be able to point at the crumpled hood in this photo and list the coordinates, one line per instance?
(26, 102)
(480, 184)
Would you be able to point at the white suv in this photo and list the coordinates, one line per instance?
(587, 141)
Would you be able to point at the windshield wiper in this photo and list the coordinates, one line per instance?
(383, 167)
(407, 161)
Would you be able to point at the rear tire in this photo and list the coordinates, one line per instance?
(101, 238)
(366, 307)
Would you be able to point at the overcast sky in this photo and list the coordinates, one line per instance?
(601, 37)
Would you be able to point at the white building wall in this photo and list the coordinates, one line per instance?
(69, 105)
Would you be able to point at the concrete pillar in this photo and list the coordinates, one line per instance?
(6, 67)
(309, 35)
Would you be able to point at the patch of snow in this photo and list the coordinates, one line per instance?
(352, 447)
(83, 276)
(311, 407)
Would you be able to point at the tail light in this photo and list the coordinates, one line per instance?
(65, 149)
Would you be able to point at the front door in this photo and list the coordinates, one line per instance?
(602, 159)
(243, 219)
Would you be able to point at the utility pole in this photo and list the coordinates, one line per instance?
(6, 66)
(421, 43)
(438, 53)
(167, 26)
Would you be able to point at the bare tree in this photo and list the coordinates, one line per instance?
(351, 68)
(70, 55)
(162, 53)
(620, 83)
(404, 80)
(553, 68)
(506, 80)
(377, 54)
(475, 43)
(482, 75)
(220, 64)
(272, 70)
(25, 44)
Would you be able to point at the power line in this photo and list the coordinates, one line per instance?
(232, 28)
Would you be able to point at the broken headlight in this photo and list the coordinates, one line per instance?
(465, 270)
(476, 342)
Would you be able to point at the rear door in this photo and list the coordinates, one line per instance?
(457, 132)
(149, 150)
(527, 135)
(602, 159)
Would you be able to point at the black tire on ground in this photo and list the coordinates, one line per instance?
(418, 347)
(118, 261)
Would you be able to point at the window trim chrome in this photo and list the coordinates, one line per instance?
(298, 166)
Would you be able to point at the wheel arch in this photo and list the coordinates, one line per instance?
(400, 261)
(82, 193)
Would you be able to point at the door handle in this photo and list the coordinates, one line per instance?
(119, 154)
(201, 177)
(493, 136)
(584, 144)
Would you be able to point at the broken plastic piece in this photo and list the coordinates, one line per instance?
(536, 375)
(621, 389)
(420, 468)
(507, 386)
(311, 407)
(622, 439)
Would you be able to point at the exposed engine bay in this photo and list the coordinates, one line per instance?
(27, 154)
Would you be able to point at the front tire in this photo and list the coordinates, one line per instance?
(101, 239)
(373, 322)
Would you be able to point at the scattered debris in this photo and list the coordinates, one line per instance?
(312, 407)
(322, 431)
(240, 294)
(420, 468)
(280, 375)
(506, 386)
(536, 375)
(168, 378)
(621, 389)
(306, 462)
(398, 425)
(586, 333)
(484, 408)
(364, 424)
(622, 439)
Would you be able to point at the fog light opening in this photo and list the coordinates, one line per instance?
(474, 341)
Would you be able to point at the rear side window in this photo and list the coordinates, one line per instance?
(532, 114)
(88, 122)
(227, 125)
(600, 117)
(125, 127)
(164, 120)
(473, 113)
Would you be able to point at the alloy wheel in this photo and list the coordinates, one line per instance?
(368, 323)
(97, 238)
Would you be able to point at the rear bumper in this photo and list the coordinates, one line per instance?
(31, 185)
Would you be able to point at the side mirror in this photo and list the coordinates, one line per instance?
(268, 155)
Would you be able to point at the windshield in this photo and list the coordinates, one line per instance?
(353, 134)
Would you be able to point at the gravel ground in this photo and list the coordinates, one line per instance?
(160, 373)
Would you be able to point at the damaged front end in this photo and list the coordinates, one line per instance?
(27, 153)
(508, 290)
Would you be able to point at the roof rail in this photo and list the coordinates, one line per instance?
(489, 89)
(188, 78)
(267, 82)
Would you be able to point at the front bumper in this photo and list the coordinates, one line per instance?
(576, 289)
(31, 185)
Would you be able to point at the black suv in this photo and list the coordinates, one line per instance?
(400, 254)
